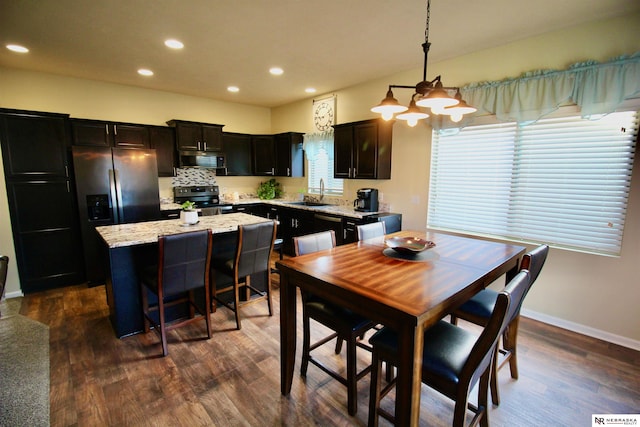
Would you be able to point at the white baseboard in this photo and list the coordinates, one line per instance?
(15, 294)
(582, 329)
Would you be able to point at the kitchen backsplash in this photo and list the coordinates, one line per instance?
(193, 176)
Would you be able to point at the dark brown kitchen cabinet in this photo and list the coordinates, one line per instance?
(42, 204)
(289, 154)
(163, 140)
(293, 223)
(196, 136)
(237, 151)
(109, 134)
(278, 155)
(362, 150)
(264, 154)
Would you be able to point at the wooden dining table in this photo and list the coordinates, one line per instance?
(406, 293)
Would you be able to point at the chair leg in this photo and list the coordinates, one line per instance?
(352, 387)
(207, 309)
(236, 293)
(482, 398)
(495, 394)
(338, 345)
(269, 293)
(306, 343)
(163, 330)
(510, 344)
(374, 393)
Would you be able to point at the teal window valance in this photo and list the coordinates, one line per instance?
(597, 88)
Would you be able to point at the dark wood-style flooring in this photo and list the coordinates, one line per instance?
(233, 379)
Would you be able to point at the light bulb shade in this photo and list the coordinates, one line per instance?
(457, 111)
(436, 99)
(389, 106)
(413, 114)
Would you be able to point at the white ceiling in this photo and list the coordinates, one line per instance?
(326, 44)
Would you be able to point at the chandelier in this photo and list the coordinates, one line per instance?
(428, 94)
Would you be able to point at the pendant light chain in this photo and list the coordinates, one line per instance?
(426, 26)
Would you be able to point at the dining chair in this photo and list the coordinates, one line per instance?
(4, 265)
(369, 231)
(252, 256)
(183, 267)
(454, 360)
(347, 325)
(478, 310)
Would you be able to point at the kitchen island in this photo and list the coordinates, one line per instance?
(132, 246)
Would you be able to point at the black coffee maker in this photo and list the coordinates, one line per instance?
(366, 200)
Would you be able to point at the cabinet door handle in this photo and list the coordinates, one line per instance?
(106, 128)
(288, 172)
(204, 145)
(115, 129)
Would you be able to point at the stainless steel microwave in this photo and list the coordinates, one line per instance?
(201, 159)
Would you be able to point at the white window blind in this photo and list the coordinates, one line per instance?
(321, 166)
(561, 181)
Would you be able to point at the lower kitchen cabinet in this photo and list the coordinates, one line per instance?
(392, 223)
(293, 223)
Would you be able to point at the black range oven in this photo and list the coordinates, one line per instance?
(204, 196)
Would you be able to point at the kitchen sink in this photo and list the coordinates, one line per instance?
(308, 203)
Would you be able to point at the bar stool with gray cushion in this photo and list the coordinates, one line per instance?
(252, 256)
(478, 310)
(348, 326)
(454, 360)
(183, 266)
(369, 231)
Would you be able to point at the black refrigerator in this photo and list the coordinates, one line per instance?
(114, 186)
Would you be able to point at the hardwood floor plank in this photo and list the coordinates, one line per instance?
(234, 377)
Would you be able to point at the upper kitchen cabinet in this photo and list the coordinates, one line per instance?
(362, 150)
(34, 145)
(195, 136)
(278, 155)
(289, 154)
(237, 151)
(163, 140)
(264, 154)
(109, 134)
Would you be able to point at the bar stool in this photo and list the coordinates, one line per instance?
(183, 266)
(253, 255)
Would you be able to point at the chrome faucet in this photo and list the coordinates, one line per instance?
(321, 189)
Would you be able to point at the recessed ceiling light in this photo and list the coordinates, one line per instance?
(17, 48)
(173, 44)
(145, 72)
(276, 71)
(233, 89)
(310, 90)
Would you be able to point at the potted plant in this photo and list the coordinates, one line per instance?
(189, 214)
(269, 190)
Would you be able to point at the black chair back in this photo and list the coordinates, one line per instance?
(506, 308)
(184, 262)
(255, 243)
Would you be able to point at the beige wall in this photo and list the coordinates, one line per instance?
(593, 294)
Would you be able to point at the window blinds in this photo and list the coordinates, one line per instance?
(561, 181)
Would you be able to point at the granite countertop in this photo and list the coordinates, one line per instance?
(139, 233)
(340, 210)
